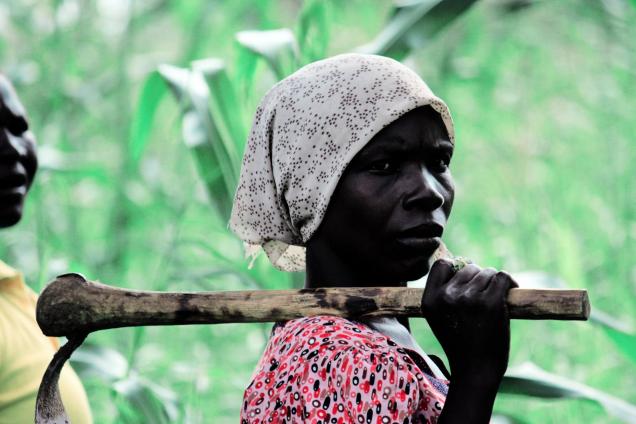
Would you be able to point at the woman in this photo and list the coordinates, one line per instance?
(346, 175)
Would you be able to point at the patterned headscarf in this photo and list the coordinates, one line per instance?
(307, 129)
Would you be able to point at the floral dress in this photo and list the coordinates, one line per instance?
(325, 369)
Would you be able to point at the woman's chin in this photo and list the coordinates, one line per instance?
(10, 216)
(412, 269)
(416, 269)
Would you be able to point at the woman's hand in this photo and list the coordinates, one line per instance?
(467, 312)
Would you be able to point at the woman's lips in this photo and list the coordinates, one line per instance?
(13, 191)
(13, 185)
(426, 244)
(12, 178)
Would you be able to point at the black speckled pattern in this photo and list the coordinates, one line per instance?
(306, 130)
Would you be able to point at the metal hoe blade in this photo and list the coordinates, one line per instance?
(49, 408)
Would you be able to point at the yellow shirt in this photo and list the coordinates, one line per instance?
(24, 355)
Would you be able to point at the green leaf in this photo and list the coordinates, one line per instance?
(245, 70)
(152, 92)
(625, 342)
(313, 30)
(150, 403)
(218, 166)
(224, 107)
(196, 138)
(413, 24)
(505, 419)
(543, 280)
(187, 12)
(278, 47)
(530, 380)
(509, 7)
(620, 332)
(144, 401)
(179, 81)
(104, 363)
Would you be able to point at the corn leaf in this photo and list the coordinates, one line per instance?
(413, 24)
(150, 403)
(505, 419)
(187, 12)
(313, 30)
(530, 380)
(620, 332)
(246, 63)
(91, 360)
(216, 165)
(152, 92)
(139, 400)
(278, 47)
(625, 342)
(224, 107)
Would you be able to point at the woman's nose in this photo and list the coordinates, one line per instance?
(423, 190)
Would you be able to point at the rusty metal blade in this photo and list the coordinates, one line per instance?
(49, 408)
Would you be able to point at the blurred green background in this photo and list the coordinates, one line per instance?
(542, 93)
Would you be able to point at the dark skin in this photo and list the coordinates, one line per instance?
(18, 160)
(384, 222)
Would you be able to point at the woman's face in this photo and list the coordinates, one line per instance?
(18, 163)
(391, 205)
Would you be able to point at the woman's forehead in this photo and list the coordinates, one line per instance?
(416, 129)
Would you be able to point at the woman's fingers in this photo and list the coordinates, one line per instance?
(457, 284)
(501, 282)
(497, 290)
(481, 281)
(440, 273)
(467, 312)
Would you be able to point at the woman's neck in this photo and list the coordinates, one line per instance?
(325, 268)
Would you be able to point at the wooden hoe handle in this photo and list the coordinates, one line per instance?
(73, 305)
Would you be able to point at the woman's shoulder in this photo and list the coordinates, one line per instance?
(329, 333)
(323, 341)
(325, 366)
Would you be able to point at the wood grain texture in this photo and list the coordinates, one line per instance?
(71, 304)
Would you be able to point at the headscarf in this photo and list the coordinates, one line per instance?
(307, 129)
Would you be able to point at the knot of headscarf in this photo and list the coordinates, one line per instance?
(307, 129)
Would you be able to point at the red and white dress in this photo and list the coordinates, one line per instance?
(325, 369)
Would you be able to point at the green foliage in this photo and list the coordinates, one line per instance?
(413, 24)
(137, 399)
(151, 94)
(208, 138)
(544, 166)
(278, 47)
(619, 331)
(528, 379)
(313, 30)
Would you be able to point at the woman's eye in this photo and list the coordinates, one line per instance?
(384, 166)
(441, 164)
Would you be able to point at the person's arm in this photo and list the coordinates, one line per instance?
(467, 312)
